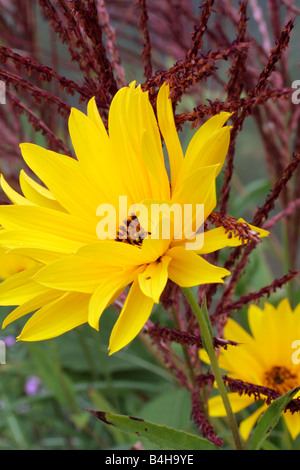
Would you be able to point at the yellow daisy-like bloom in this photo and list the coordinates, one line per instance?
(78, 275)
(270, 356)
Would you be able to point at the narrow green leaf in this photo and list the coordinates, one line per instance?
(162, 436)
(269, 418)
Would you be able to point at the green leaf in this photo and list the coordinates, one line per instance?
(269, 419)
(163, 436)
(171, 408)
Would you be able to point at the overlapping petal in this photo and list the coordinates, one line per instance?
(208, 146)
(107, 292)
(45, 220)
(75, 273)
(134, 314)
(188, 269)
(154, 279)
(20, 287)
(38, 194)
(167, 126)
(57, 317)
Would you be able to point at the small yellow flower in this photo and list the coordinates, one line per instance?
(269, 356)
(78, 274)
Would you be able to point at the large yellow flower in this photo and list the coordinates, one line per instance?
(270, 356)
(78, 275)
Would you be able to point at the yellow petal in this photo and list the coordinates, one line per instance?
(159, 181)
(216, 407)
(95, 155)
(57, 317)
(74, 192)
(153, 280)
(93, 115)
(11, 264)
(15, 197)
(37, 194)
(198, 188)
(218, 238)
(153, 249)
(20, 288)
(75, 273)
(36, 255)
(149, 121)
(293, 423)
(34, 239)
(208, 146)
(107, 292)
(255, 315)
(31, 305)
(113, 253)
(188, 269)
(126, 128)
(259, 231)
(248, 362)
(135, 312)
(268, 320)
(159, 212)
(248, 424)
(47, 220)
(167, 126)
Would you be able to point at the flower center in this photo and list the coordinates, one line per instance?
(131, 232)
(281, 379)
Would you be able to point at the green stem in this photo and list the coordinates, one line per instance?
(207, 339)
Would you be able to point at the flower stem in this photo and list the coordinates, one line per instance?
(208, 342)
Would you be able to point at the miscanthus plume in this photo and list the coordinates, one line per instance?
(77, 275)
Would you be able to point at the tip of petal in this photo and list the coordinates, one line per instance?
(164, 91)
(133, 84)
(94, 324)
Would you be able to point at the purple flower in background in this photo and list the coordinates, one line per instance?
(9, 341)
(32, 385)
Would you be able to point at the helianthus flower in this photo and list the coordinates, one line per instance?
(269, 356)
(78, 274)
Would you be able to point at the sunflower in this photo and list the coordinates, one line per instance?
(269, 356)
(57, 224)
